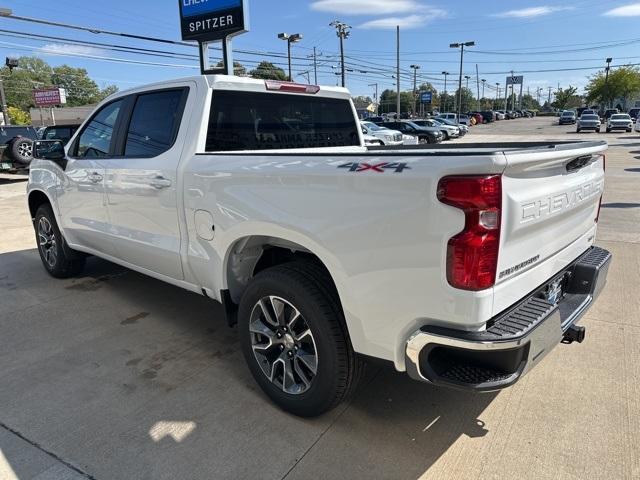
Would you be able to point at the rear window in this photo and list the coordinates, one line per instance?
(259, 121)
(9, 133)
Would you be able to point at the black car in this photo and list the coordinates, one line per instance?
(633, 113)
(16, 147)
(608, 113)
(409, 128)
(487, 116)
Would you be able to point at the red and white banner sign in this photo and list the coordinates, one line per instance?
(48, 97)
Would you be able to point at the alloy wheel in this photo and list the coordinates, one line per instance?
(47, 241)
(25, 149)
(283, 344)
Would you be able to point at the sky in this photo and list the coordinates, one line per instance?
(549, 43)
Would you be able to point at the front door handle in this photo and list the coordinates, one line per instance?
(95, 177)
(160, 183)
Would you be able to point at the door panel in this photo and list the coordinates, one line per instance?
(142, 187)
(81, 196)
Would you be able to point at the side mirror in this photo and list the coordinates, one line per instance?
(50, 150)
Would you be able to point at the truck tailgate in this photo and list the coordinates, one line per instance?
(550, 204)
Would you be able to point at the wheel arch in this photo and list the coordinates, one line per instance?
(36, 199)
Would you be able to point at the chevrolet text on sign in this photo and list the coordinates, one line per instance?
(210, 20)
(48, 97)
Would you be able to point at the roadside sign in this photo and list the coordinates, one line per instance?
(211, 20)
(426, 97)
(49, 97)
(515, 80)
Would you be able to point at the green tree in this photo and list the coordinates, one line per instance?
(81, 90)
(238, 68)
(468, 102)
(18, 117)
(107, 91)
(268, 71)
(362, 101)
(389, 101)
(567, 98)
(530, 103)
(623, 84)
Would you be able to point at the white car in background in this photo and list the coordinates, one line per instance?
(638, 124)
(500, 115)
(385, 135)
(619, 121)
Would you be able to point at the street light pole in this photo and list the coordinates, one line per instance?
(296, 37)
(444, 108)
(606, 81)
(461, 47)
(484, 82)
(342, 31)
(415, 86)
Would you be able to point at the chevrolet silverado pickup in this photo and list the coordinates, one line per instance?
(462, 266)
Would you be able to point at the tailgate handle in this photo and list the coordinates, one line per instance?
(580, 162)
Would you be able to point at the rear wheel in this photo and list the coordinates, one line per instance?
(578, 130)
(58, 259)
(294, 340)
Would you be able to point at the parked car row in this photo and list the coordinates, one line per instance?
(590, 119)
(16, 144)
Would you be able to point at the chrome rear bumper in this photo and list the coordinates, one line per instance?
(514, 341)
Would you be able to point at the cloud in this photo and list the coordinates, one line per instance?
(367, 7)
(531, 12)
(68, 49)
(632, 10)
(408, 22)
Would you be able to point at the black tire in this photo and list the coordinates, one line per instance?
(445, 136)
(577, 130)
(21, 150)
(58, 259)
(305, 286)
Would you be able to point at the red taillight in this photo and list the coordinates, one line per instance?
(472, 255)
(291, 87)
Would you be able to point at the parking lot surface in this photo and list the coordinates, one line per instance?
(118, 376)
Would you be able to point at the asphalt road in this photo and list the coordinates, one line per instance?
(118, 376)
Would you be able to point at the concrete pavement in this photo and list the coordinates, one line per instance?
(118, 376)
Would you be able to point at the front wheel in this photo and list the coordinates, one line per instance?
(58, 259)
(294, 340)
(578, 130)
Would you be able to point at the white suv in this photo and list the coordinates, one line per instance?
(385, 135)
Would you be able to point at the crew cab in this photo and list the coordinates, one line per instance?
(462, 266)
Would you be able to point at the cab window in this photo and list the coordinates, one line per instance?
(96, 138)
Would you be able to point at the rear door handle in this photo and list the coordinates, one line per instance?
(160, 183)
(95, 177)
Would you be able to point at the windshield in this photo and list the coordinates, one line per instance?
(372, 126)
(620, 117)
(590, 117)
(568, 114)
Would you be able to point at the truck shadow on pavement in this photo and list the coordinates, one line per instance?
(8, 181)
(620, 205)
(154, 375)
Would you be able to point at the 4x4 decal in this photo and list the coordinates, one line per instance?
(375, 167)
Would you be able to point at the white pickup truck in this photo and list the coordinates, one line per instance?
(463, 266)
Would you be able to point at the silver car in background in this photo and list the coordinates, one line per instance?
(588, 121)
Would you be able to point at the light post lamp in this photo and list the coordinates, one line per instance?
(461, 47)
(444, 108)
(606, 81)
(415, 69)
(293, 38)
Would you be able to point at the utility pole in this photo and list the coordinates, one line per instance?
(342, 31)
(415, 87)
(497, 92)
(484, 82)
(375, 97)
(398, 69)
(550, 88)
(461, 47)
(606, 82)
(478, 86)
(315, 67)
(444, 108)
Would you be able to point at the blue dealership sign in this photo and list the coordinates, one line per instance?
(426, 97)
(211, 20)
